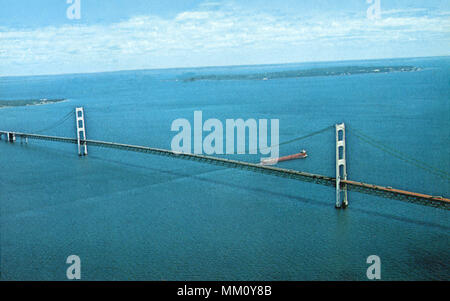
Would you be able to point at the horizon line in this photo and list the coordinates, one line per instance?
(220, 66)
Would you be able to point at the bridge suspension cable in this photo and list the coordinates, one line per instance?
(56, 124)
(422, 165)
(307, 136)
(299, 138)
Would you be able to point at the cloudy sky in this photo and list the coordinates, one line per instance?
(37, 37)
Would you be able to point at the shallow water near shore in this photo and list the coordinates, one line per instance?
(134, 216)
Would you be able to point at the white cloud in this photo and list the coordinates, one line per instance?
(141, 41)
(202, 15)
(404, 11)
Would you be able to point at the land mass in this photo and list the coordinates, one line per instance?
(330, 71)
(28, 102)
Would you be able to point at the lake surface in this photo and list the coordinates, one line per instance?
(132, 216)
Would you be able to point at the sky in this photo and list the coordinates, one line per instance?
(38, 37)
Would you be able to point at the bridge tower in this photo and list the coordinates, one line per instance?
(81, 132)
(341, 168)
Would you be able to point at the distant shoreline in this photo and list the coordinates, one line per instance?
(330, 71)
(28, 102)
(209, 67)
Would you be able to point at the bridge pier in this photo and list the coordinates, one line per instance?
(341, 168)
(10, 137)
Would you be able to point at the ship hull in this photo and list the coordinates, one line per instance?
(272, 161)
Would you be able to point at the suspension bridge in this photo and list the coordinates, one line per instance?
(340, 182)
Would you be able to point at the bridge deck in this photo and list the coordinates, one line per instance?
(386, 192)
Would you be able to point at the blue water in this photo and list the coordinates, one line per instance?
(141, 217)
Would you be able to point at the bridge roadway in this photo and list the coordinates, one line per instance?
(386, 192)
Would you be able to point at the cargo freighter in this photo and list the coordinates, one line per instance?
(272, 161)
